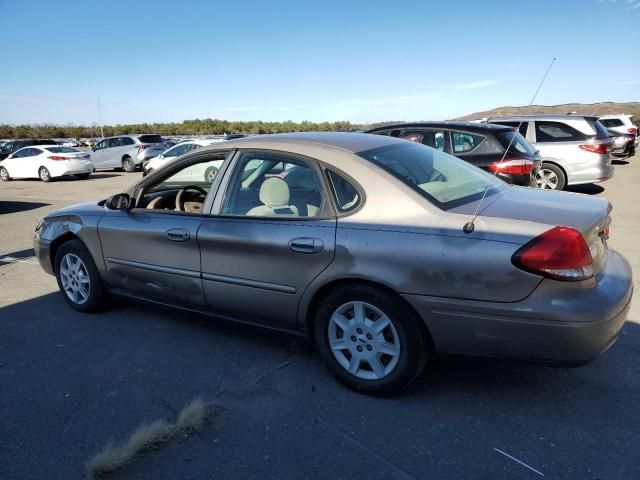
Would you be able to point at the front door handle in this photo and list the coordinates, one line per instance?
(306, 245)
(178, 235)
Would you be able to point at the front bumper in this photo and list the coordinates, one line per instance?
(42, 250)
(560, 322)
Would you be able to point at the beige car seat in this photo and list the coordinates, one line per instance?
(274, 194)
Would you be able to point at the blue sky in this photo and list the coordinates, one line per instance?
(363, 61)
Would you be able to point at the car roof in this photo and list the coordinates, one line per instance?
(468, 126)
(345, 141)
(546, 116)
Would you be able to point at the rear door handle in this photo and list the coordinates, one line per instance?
(306, 245)
(178, 235)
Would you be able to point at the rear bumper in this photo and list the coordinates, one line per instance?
(596, 169)
(560, 322)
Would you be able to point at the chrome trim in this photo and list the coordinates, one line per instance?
(154, 268)
(248, 283)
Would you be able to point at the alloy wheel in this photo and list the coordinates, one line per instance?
(4, 174)
(75, 278)
(364, 340)
(44, 174)
(547, 179)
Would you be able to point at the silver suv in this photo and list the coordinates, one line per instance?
(574, 148)
(125, 151)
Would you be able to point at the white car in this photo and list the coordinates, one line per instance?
(619, 123)
(46, 162)
(175, 151)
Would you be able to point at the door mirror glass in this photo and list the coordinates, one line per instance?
(119, 201)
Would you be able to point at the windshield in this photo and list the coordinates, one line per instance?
(444, 180)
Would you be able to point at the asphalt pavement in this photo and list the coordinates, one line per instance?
(70, 383)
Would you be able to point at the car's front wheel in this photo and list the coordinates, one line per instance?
(4, 174)
(370, 339)
(78, 277)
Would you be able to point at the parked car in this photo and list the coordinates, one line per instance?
(15, 145)
(174, 152)
(575, 149)
(125, 151)
(369, 255)
(624, 144)
(619, 123)
(482, 145)
(46, 162)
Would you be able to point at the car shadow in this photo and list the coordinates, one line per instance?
(19, 256)
(15, 207)
(587, 188)
(620, 161)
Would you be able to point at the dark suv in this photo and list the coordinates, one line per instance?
(481, 145)
(15, 145)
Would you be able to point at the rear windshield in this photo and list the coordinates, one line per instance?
(601, 130)
(611, 122)
(62, 150)
(150, 138)
(444, 180)
(515, 142)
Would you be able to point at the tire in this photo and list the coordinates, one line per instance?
(406, 345)
(550, 177)
(44, 174)
(81, 287)
(83, 176)
(128, 165)
(4, 174)
(209, 174)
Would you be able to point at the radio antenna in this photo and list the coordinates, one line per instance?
(470, 226)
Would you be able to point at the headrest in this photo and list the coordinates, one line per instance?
(274, 192)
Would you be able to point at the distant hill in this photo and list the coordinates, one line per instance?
(598, 109)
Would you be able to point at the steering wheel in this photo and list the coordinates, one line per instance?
(179, 203)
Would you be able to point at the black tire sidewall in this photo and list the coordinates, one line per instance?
(96, 290)
(562, 179)
(414, 348)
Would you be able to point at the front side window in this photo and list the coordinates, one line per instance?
(101, 145)
(21, 153)
(7, 148)
(464, 142)
(273, 185)
(557, 132)
(444, 180)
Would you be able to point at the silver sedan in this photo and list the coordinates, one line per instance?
(369, 244)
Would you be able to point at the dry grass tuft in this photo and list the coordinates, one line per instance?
(192, 416)
(148, 436)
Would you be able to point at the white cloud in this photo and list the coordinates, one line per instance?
(474, 85)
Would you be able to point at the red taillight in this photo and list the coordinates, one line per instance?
(57, 157)
(560, 253)
(512, 166)
(599, 148)
(632, 130)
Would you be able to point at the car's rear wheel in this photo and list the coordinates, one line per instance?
(128, 165)
(550, 177)
(78, 277)
(44, 174)
(370, 339)
(4, 174)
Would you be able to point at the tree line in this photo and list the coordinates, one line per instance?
(188, 127)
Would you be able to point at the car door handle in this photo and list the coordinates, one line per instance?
(178, 235)
(306, 245)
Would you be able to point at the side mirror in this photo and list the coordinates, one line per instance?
(119, 201)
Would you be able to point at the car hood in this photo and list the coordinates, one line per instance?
(86, 208)
(549, 207)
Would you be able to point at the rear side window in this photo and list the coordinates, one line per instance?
(426, 136)
(464, 142)
(149, 139)
(557, 132)
(611, 122)
(344, 192)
